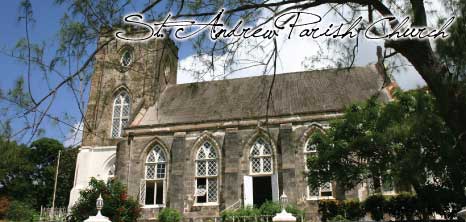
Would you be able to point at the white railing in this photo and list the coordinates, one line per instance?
(261, 218)
(52, 214)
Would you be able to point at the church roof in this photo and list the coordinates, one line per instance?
(296, 93)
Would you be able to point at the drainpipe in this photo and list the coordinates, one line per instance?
(130, 138)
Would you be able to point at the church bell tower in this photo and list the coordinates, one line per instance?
(127, 76)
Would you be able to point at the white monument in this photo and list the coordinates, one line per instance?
(284, 216)
(99, 217)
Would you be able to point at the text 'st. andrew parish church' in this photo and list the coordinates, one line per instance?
(204, 147)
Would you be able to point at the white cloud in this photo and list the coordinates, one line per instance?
(292, 53)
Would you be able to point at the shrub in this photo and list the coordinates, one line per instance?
(329, 209)
(270, 208)
(169, 215)
(117, 205)
(295, 211)
(353, 210)
(332, 209)
(402, 206)
(338, 218)
(19, 211)
(248, 211)
(227, 215)
(375, 206)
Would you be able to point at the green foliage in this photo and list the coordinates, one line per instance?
(15, 172)
(248, 212)
(44, 156)
(338, 218)
(452, 50)
(28, 174)
(117, 205)
(353, 210)
(404, 142)
(402, 206)
(19, 95)
(19, 211)
(66, 176)
(329, 209)
(169, 215)
(348, 209)
(270, 208)
(375, 205)
(292, 209)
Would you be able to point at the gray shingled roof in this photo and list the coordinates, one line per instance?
(246, 98)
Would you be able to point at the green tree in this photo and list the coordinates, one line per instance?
(406, 140)
(15, 172)
(44, 155)
(28, 174)
(452, 51)
(66, 176)
(85, 20)
(19, 211)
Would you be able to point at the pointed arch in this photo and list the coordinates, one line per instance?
(207, 156)
(309, 148)
(121, 112)
(149, 146)
(261, 153)
(153, 186)
(121, 87)
(305, 139)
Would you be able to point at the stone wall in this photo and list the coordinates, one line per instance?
(144, 79)
(234, 146)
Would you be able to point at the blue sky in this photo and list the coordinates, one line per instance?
(47, 16)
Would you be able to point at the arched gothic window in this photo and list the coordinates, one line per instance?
(121, 112)
(261, 157)
(152, 187)
(325, 190)
(206, 174)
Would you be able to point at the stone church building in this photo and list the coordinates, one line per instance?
(205, 147)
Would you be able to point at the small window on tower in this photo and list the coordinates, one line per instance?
(167, 73)
(126, 58)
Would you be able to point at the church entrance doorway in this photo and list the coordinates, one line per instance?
(258, 189)
(262, 190)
